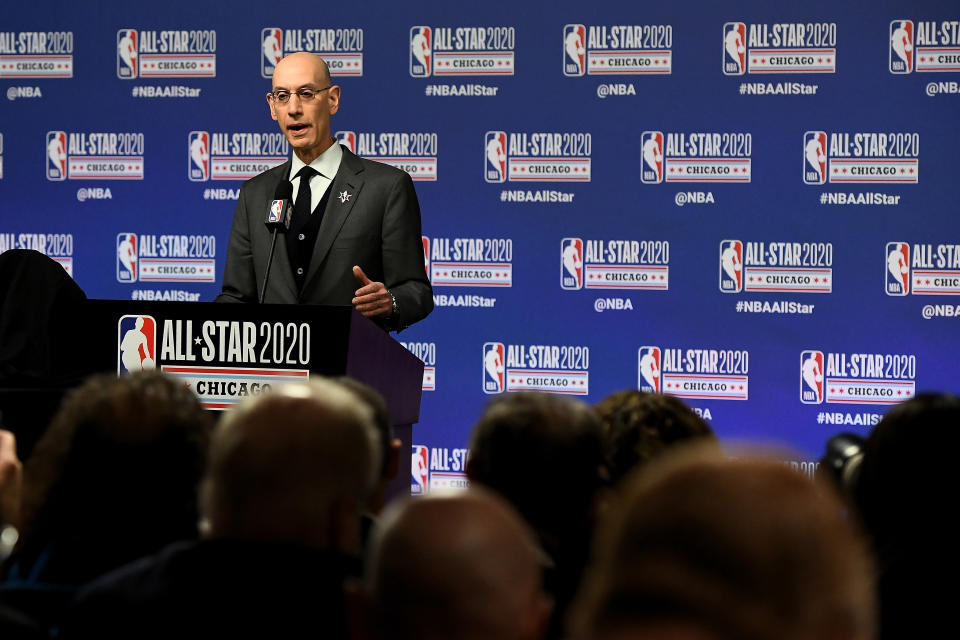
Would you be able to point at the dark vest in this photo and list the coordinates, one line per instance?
(301, 239)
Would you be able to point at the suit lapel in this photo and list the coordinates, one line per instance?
(344, 193)
(281, 277)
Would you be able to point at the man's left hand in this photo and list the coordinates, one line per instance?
(372, 298)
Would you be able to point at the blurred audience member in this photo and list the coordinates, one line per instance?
(289, 473)
(11, 479)
(13, 624)
(113, 478)
(543, 453)
(638, 427)
(703, 547)
(904, 489)
(389, 446)
(461, 566)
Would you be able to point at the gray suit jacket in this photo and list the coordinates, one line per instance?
(378, 228)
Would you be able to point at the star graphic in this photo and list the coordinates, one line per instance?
(344, 196)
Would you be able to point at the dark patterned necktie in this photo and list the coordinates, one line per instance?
(301, 206)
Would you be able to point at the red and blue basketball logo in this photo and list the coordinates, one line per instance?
(419, 470)
(811, 377)
(56, 155)
(901, 46)
(276, 212)
(136, 344)
(571, 263)
(898, 269)
(651, 171)
(574, 50)
(127, 257)
(271, 50)
(648, 369)
(495, 156)
(731, 266)
(347, 139)
(734, 48)
(421, 52)
(493, 367)
(426, 253)
(198, 156)
(815, 157)
(127, 54)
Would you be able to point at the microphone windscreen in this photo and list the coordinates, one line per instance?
(284, 191)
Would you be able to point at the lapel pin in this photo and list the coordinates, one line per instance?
(344, 196)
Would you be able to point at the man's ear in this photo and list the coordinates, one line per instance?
(333, 99)
(393, 459)
(273, 107)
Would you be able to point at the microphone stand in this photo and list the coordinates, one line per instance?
(273, 245)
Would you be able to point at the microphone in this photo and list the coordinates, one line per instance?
(277, 219)
(279, 214)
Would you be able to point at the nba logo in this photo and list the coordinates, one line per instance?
(276, 211)
(811, 377)
(493, 378)
(734, 48)
(648, 369)
(571, 263)
(815, 157)
(136, 340)
(901, 46)
(418, 469)
(574, 49)
(731, 266)
(56, 155)
(127, 54)
(426, 253)
(198, 156)
(651, 171)
(126, 257)
(495, 156)
(421, 52)
(898, 269)
(271, 51)
(347, 139)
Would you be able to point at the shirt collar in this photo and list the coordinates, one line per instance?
(327, 163)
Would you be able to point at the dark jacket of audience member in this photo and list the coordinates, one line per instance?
(906, 484)
(289, 473)
(37, 297)
(638, 427)
(704, 547)
(113, 478)
(543, 453)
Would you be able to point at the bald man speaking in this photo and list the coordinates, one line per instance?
(355, 235)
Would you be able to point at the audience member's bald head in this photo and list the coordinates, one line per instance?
(460, 566)
(708, 547)
(292, 465)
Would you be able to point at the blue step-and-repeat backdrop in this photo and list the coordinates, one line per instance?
(720, 202)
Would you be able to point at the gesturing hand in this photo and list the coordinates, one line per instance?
(372, 298)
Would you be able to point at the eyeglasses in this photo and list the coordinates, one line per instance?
(306, 94)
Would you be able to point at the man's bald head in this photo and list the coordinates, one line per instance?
(303, 59)
(292, 465)
(457, 566)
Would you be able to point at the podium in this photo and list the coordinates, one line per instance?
(226, 352)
